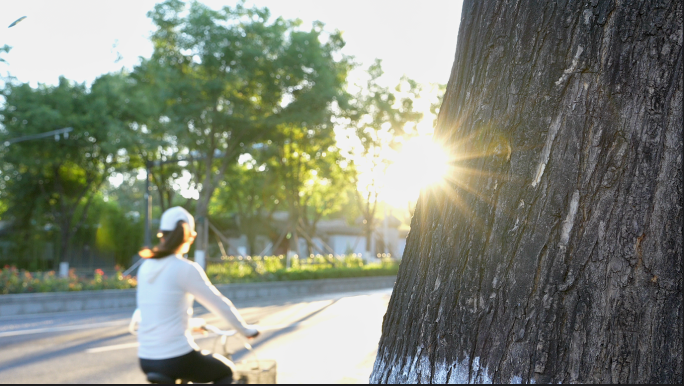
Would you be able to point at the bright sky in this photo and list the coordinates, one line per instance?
(82, 39)
(76, 38)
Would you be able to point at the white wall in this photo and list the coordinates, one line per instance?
(261, 243)
(342, 244)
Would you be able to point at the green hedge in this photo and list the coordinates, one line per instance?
(232, 270)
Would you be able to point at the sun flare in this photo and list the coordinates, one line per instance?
(420, 163)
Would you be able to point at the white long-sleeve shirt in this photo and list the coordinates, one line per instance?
(166, 290)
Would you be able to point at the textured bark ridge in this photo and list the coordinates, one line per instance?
(554, 251)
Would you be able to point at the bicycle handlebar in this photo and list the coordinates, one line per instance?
(226, 333)
(195, 323)
(218, 331)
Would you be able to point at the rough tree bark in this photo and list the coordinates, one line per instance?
(554, 251)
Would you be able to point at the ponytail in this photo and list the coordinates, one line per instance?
(171, 241)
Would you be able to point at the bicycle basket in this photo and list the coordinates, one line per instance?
(256, 371)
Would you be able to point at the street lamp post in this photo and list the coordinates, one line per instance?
(65, 132)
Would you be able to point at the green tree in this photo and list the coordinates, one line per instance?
(117, 231)
(229, 77)
(380, 119)
(61, 177)
(314, 177)
(21, 198)
(250, 192)
(156, 140)
(325, 192)
(4, 49)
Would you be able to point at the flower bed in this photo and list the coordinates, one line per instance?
(14, 281)
(231, 270)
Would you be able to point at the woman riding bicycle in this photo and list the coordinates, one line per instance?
(167, 286)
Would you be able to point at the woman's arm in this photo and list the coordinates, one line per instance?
(196, 282)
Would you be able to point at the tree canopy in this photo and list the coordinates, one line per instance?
(61, 176)
(249, 101)
(230, 77)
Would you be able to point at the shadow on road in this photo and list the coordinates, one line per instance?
(40, 357)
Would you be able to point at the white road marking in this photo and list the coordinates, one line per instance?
(112, 348)
(63, 328)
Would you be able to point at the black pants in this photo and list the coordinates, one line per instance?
(195, 366)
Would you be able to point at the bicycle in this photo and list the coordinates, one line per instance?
(246, 372)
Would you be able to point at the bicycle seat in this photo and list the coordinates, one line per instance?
(160, 378)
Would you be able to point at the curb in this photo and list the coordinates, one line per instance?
(41, 303)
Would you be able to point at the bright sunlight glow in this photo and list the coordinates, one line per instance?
(420, 163)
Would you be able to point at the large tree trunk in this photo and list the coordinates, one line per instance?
(554, 252)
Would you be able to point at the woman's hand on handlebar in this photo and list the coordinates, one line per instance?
(251, 332)
(198, 325)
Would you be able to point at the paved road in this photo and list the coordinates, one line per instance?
(316, 339)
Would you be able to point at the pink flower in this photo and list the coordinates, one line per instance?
(99, 272)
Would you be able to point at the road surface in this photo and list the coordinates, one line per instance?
(328, 338)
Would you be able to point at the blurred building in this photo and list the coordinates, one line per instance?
(334, 236)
